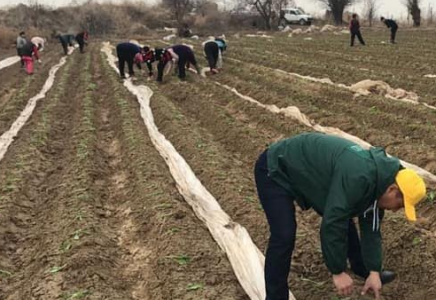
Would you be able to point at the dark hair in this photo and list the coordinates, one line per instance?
(22, 33)
(146, 48)
(382, 18)
(354, 15)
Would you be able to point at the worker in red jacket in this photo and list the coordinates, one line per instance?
(28, 51)
(355, 30)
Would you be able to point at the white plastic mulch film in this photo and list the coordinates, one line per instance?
(246, 259)
(9, 61)
(295, 113)
(361, 88)
(7, 138)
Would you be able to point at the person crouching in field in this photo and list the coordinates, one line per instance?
(28, 51)
(355, 30)
(213, 50)
(340, 181)
(66, 40)
(131, 54)
(40, 42)
(183, 57)
(21, 41)
(82, 40)
(393, 26)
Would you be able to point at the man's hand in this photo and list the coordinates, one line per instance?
(373, 283)
(343, 283)
(39, 61)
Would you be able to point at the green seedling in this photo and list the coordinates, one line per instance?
(316, 283)
(416, 241)
(76, 295)
(4, 273)
(173, 230)
(180, 259)
(194, 286)
(78, 234)
(431, 196)
(56, 269)
(163, 206)
(250, 199)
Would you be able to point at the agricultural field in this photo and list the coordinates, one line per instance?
(90, 210)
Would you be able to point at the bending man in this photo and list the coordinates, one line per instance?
(340, 181)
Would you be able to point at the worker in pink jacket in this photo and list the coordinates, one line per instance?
(28, 51)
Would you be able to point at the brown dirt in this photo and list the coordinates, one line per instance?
(84, 190)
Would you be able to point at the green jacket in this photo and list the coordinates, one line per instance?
(339, 180)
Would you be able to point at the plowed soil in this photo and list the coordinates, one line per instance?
(88, 209)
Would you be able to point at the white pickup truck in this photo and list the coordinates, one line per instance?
(294, 16)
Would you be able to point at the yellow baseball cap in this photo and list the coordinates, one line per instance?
(413, 188)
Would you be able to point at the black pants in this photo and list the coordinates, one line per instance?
(81, 45)
(184, 61)
(211, 50)
(122, 59)
(393, 34)
(279, 208)
(65, 47)
(359, 36)
(21, 56)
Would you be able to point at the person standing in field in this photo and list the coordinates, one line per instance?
(21, 41)
(182, 55)
(82, 40)
(28, 51)
(355, 30)
(393, 26)
(131, 54)
(213, 50)
(340, 181)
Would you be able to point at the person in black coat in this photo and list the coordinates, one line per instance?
(66, 40)
(181, 54)
(130, 53)
(393, 26)
(355, 30)
(82, 40)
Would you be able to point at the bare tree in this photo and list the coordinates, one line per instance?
(414, 11)
(269, 9)
(370, 10)
(35, 10)
(265, 10)
(337, 8)
(179, 8)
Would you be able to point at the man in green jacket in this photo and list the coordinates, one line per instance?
(340, 181)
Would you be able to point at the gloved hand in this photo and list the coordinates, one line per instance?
(39, 61)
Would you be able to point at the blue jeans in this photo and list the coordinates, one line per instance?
(279, 208)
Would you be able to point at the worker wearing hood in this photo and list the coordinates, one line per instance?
(339, 180)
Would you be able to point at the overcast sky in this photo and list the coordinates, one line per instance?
(390, 8)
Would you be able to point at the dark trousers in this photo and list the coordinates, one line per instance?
(21, 57)
(81, 45)
(359, 36)
(185, 60)
(65, 47)
(211, 50)
(279, 208)
(393, 34)
(122, 60)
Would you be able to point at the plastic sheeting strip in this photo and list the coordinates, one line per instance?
(295, 113)
(328, 81)
(246, 259)
(7, 137)
(9, 61)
